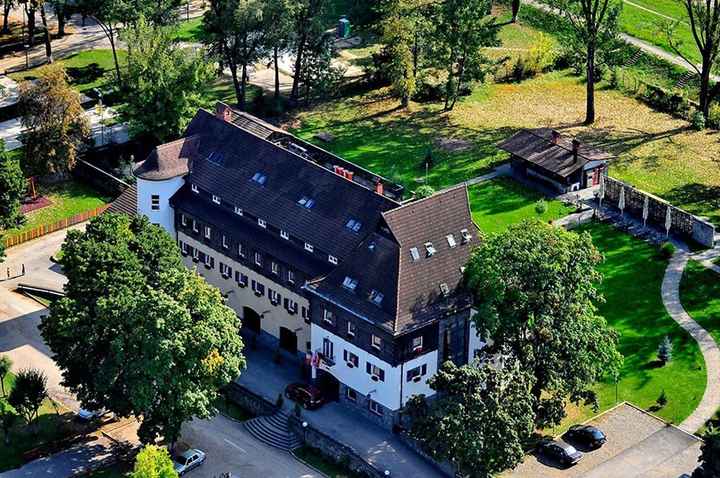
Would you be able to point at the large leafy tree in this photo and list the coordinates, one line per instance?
(12, 189)
(480, 418)
(710, 457)
(153, 462)
(593, 30)
(8, 417)
(535, 293)
(279, 33)
(400, 30)
(165, 84)
(7, 6)
(308, 29)
(462, 29)
(28, 393)
(54, 122)
(137, 332)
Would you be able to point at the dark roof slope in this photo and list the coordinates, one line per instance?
(538, 147)
(228, 157)
(126, 203)
(168, 161)
(411, 287)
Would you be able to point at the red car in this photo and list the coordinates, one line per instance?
(308, 396)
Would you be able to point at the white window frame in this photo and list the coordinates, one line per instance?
(466, 236)
(195, 226)
(209, 261)
(451, 240)
(183, 247)
(196, 254)
(154, 202)
(309, 247)
(238, 211)
(332, 260)
(350, 329)
(328, 317)
(351, 358)
(262, 223)
(430, 249)
(257, 258)
(241, 250)
(414, 254)
(291, 276)
(416, 347)
(216, 199)
(348, 396)
(208, 232)
(285, 235)
(274, 267)
(374, 339)
(224, 241)
(183, 219)
(195, 188)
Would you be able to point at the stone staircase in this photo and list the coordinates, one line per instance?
(273, 430)
(684, 80)
(635, 58)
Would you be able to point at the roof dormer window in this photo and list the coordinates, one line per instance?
(194, 188)
(238, 211)
(376, 297)
(309, 247)
(332, 260)
(262, 223)
(354, 225)
(349, 283)
(465, 236)
(444, 289)
(415, 254)
(451, 240)
(306, 202)
(285, 235)
(260, 178)
(216, 199)
(430, 249)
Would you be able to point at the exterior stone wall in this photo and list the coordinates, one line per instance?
(361, 407)
(333, 450)
(683, 223)
(446, 468)
(249, 401)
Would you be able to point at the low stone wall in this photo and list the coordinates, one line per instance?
(333, 450)
(249, 401)
(446, 468)
(683, 223)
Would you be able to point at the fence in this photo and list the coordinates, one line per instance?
(45, 229)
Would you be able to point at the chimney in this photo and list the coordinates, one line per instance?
(379, 188)
(555, 137)
(223, 111)
(576, 148)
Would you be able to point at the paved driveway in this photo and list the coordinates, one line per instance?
(639, 446)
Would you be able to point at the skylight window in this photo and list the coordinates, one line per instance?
(376, 297)
(444, 289)
(415, 254)
(306, 202)
(216, 158)
(465, 236)
(354, 225)
(260, 178)
(350, 283)
(451, 240)
(430, 249)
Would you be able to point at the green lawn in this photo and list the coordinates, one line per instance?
(501, 202)
(633, 273)
(700, 295)
(190, 30)
(313, 457)
(68, 198)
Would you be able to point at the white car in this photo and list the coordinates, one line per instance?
(189, 460)
(88, 415)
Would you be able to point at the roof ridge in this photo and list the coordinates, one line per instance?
(563, 136)
(435, 195)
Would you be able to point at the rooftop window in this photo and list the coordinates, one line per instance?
(260, 178)
(376, 297)
(306, 202)
(350, 283)
(451, 240)
(444, 289)
(216, 158)
(430, 249)
(465, 236)
(415, 254)
(354, 225)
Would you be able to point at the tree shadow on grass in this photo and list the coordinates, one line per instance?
(84, 75)
(700, 199)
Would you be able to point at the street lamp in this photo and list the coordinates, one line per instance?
(102, 117)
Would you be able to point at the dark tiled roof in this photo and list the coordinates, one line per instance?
(411, 288)
(168, 161)
(126, 203)
(537, 146)
(227, 158)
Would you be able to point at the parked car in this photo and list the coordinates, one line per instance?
(189, 460)
(559, 451)
(308, 396)
(89, 415)
(587, 436)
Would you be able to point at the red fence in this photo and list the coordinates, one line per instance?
(40, 231)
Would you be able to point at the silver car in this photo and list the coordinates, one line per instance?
(189, 460)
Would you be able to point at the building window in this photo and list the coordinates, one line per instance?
(258, 288)
(354, 225)
(238, 211)
(351, 394)
(183, 219)
(351, 329)
(465, 236)
(274, 297)
(305, 313)
(241, 250)
(328, 349)
(451, 240)
(194, 188)
(417, 344)
(225, 270)
(155, 202)
(290, 276)
(225, 242)
(258, 259)
(429, 249)
(375, 407)
(444, 289)
(328, 317)
(208, 232)
(183, 248)
(195, 226)
(285, 235)
(209, 262)
(241, 279)
(260, 178)
(351, 360)
(216, 199)
(376, 342)
(262, 223)
(275, 268)
(196, 255)
(291, 306)
(375, 372)
(376, 297)
(350, 284)
(309, 247)
(415, 254)
(332, 260)
(416, 374)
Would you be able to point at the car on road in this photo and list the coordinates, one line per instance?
(586, 436)
(89, 415)
(308, 396)
(560, 452)
(189, 460)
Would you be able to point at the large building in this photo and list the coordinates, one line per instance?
(319, 257)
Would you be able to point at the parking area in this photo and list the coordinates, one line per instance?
(639, 445)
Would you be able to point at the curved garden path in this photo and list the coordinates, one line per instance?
(710, 402)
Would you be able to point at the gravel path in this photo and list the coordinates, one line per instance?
(710, 402)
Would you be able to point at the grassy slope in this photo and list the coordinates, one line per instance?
(700, 295)
(501, 202)
(633, 273)
(190, 31)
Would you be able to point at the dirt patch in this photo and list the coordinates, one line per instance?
(453, 145)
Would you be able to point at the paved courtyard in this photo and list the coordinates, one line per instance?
(639, 446)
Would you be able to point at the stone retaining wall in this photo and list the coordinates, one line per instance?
(683, 223)
(249, 401)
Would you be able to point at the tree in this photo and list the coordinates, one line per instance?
(61, 9)
(320, 77)
(308, 27)
(535, 293)
(109, 14)
(463, 28)
(665, 350)
(137, 333)
(40, 5)
(594, 31)
(153, 462)
(480, 418)
(5, 367)
(279, 16)
(704, 20)
(8, 5)
(8, 417)
(398, 36)
(710, 454)
(165, 84)
(54, 121)
(28, 393)
(515, 6)
(12, 189)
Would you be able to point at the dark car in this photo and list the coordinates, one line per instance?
(308, 396)
(560, 452)
(587, 436)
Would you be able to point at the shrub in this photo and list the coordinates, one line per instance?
(697, 120)
(424, 191)
(153, 462)
(664, 353)
(541, 207)
(667, 250)
(713, 120)
(541, 57)
(662, 400)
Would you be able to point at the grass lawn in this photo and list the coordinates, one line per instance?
(633, 273)
(313, 457)
(700, 295)
(501, 202)
(87, 69)
(190, 30)
(68, 198)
